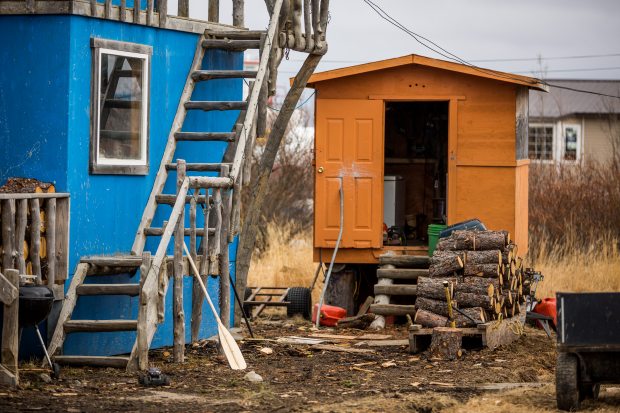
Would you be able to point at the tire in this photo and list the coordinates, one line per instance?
(566, 382)
(300, 302)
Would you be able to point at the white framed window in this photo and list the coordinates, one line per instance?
(571, 142)
(540, 142)
(120, 108)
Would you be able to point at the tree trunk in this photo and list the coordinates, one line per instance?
(483, 257)
(445, 263)
(473, 300)
(446, 343)
(478, 285)
(481, 270)
(475, 313)
(428, 319)
(473, 240)
(434, 306)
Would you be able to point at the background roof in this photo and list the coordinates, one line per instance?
(561, 102)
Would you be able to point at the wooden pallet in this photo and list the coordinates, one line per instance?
(490, 335)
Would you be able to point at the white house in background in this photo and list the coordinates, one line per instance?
(566, 125)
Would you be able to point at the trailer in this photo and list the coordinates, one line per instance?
(588, 346)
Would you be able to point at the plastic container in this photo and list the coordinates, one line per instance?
(547, 307)
(469, 224)
(330, 314)
(433, 236)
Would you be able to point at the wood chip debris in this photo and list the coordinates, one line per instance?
(330, 347)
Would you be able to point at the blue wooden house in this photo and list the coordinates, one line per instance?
(139, 119)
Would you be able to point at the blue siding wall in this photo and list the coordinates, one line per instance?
(106, 209)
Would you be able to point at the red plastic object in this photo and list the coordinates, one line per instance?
(330, 314)
(547, 307)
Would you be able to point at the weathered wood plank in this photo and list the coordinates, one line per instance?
(136, 11)
(35, 238)
(21, 217)
(178, 314)
(62, 240)
(129, 261)
(123, 9)
(392, 309)
(202, 75)
(149, 12)
(210, 182)
(183, 9)
(50, 225)
(7, 378)
(108, 9)
(99, 325)
(238, 19)
(216, 105)
(8, 233)
(205, 136)
(235, 34)
(118, 362)
(163, 12)
(402, 273)
(214, 11)
(8, 291)
(10, 328)
(396, 289)
(224, 255)
(147, 301)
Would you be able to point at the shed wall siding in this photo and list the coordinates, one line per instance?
(597, 138)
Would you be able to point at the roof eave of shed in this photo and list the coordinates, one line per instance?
(530, 82)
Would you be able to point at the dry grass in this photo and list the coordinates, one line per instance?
(286, 262)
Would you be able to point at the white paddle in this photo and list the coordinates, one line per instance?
(228, 343)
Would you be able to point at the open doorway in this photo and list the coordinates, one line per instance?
(415, 170)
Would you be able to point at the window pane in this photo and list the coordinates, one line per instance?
(541, 142)
(121, 103)
(570, 146)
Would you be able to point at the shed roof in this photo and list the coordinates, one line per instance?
(563, 102)
(414, 59)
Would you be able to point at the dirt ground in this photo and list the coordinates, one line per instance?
(298, 378)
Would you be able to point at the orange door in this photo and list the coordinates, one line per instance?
(349, 145)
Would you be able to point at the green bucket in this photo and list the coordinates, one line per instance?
(433, 236)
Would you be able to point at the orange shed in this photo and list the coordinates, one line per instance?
(416, 141)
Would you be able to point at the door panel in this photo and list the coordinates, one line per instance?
(349, 145)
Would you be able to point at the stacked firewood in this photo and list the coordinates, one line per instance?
(483, 276)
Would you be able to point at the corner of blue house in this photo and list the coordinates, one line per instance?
(45, 106)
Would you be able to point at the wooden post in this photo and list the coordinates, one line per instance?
(147, 298)
(379, 322)
(50, 225)
(149, 12)
(195, 326)
(10, 333)
(308, 25)
(183, 8)
(163, 12)
(123, 8)
(108, 9)
(21, 218)
(296, 14)
(35, 238)
(61, 232)
(214, 11)
(224, 257)
(238, 13)
(8, 233)
(197, 294)
(178, 314)
(316, 19)
(30, 6)
(260, 184)
(214, 247)
(136, 11)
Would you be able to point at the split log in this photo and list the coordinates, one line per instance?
(483, 257)
(473, 300)
(429, 319)
(481, 270)
(478, 285)
(473, 240)
(434, 306)
(445, 263)
(446, 343)
(509, 253)
(433, 287)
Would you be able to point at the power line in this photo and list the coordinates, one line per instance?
(451, 56)
(572, 70)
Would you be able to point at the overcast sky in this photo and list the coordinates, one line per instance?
(474, 30)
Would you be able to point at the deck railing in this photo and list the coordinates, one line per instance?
(35, 236)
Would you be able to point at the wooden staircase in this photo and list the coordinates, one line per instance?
(217, 197)
(393, 269)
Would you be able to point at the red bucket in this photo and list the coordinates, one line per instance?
(330, 314)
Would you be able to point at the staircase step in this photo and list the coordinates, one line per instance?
(402, 273)
(131, 261)
(123, 104)
(205, 136)
(170, 199)
(100, 325)
(210, 182)
(201, 75)
(268, 303)
(410, 261)
(233, 45)
(396, 289)
(236, 34)
(392, 309)
(199, 167)
(216, 105)
(131, 290)
(157, 231)
(119, 362)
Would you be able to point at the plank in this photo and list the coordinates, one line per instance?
(90, 326)
(396, 289)
(333, 336)
(98, 361)
(402, 273)
(21, 217)
(57, 195)
(224, 254)
(330, 347)
(8, 291)
(231, 45)
(10, 328)
(8, 233)
(410, 261)
(385, 343)
(128, 261)
(67, 308)
(131, 290)
(35, 238)
(236, 34)
(62, 240)
(50, 225)
(392, 309)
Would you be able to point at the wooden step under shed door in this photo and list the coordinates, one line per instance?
(349, 145)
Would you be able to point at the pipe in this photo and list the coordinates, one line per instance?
(331, 264)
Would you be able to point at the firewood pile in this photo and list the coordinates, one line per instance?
(485, 280)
